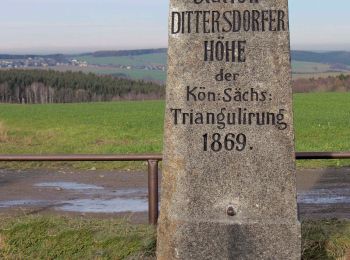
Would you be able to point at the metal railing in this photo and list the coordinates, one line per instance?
(153, 172)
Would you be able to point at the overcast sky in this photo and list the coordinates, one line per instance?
(41, 26)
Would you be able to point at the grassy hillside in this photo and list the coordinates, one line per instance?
(141, 67)
(309, 67)
(321, 120)
(139, 60)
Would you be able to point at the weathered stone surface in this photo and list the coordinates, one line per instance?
(228, 188)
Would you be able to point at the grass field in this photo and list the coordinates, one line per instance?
(322, 122)
(45, 237)
(111, 128)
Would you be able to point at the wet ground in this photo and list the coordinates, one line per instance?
(321, 193)
(87, 193)
(324, 193)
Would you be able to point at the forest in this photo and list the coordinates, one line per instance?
(48, 86)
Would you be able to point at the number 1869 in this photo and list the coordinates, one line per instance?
(216, 142)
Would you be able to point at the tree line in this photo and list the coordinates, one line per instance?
(339, 83)
(48, 86)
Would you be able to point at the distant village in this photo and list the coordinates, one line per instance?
(39, 62)
(43, 62)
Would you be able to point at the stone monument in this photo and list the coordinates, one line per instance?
(229, 189)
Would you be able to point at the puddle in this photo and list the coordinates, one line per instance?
(116, 205)
(68, 186)
(89, 189)
(105, 206)
(90, 199)
(325, 196)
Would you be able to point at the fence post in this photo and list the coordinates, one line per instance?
(153, 198)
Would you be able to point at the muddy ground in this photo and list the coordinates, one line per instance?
(321, 193)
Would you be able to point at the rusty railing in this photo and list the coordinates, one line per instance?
(152, 160)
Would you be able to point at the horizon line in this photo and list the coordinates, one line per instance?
(47, 53)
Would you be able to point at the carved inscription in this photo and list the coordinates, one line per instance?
(221, 26)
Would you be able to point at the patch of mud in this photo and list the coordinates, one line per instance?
(22, 203)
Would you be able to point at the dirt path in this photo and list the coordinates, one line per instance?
(321, 193)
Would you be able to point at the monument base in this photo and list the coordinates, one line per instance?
(213, 240)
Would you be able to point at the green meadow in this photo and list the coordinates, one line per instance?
(322, 123)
